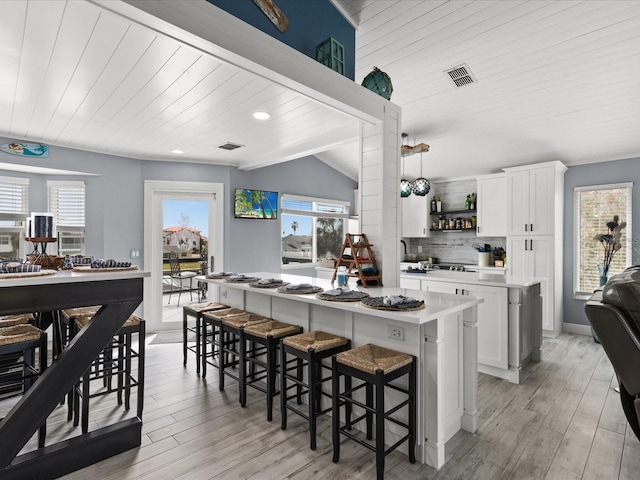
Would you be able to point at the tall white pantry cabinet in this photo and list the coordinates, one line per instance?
(534, 233)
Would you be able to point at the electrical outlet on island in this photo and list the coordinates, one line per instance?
(395, 332)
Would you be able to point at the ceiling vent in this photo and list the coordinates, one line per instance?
(461, 75)
(230, 146)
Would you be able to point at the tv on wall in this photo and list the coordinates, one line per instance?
(250, 203)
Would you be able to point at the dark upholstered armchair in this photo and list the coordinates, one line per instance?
(614, 314)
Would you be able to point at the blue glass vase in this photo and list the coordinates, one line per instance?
(603, 272)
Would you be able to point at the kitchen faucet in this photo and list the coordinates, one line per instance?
(405, 246)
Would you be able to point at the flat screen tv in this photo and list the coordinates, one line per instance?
(250, 203)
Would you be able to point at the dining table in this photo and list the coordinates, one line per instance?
(119, 292)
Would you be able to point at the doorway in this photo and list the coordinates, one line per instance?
(184, 203)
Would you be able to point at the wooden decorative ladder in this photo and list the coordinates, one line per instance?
(361, 256)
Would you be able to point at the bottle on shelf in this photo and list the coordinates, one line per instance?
(433, 204)
(473, 201)
(467, 203)
(438, 205)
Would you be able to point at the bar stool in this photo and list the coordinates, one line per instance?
(195, 310)
(212, 337)
(230, 346)
(109, 365)
(309, 349)
(18, 370)
(263, 338)
(376, 366)
(19, 319)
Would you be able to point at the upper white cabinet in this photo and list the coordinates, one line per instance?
(415, 215)
(532, 198)
(492, 206)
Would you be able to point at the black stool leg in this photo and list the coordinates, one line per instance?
(335, 409)
(380, 425)
(348, 407)
(242, 368)
(312, 380)
(283, 387)
(369, 414)
(224, 343)
(141, 354)
(299, 376)
(412, 411)
(184, 336)
(198, 344)
(272, 367)
(127, 371)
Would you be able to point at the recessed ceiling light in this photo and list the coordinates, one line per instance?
(261, 116)
(177, 151)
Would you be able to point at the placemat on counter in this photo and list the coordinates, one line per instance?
(345, 296)
(219, 275)
(240, 279)
(89, 269)
(40, 273)
(303, 290)
(377, 303)
(272, 283)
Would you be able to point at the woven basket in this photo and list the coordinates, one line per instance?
(50, 261)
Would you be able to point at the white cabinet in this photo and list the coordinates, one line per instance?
(535, 256)
(415, 216)
(492, 206)
(534, 232)
(531, 199)
(493, 315)
(410, 283)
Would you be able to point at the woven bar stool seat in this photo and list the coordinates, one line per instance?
(211, 338)
(19, 319)
(18, 368)
(376, 366)
(309, 350)
(258, 349)
(196, 310)
(115, 361)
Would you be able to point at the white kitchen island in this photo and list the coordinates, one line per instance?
(443, 336)
(509, 320)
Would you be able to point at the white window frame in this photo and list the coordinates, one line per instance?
(19, 211)
(314, 214)
(581, 295)
(74, 227)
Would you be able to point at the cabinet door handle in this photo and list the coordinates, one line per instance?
(525, 245)
(424, 231)
(456, 291)
(526, 227)
(531, 227)
(531, 244)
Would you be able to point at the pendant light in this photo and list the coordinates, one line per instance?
(405, 185)
(421, 185)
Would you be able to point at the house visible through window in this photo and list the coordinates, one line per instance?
(14, 208)
(594, 207)
(312, 229)
(67, 204)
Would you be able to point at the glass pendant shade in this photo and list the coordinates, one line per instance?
(405, 188)
(421, 186)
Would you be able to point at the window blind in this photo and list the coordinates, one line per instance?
(14, 196)
(67, 203)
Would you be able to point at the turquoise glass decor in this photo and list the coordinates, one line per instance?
(405, 188)
(421, 186)
(379, 82)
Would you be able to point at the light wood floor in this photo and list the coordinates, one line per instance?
(564, 422)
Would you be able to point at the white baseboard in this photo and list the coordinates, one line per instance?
(576, 328)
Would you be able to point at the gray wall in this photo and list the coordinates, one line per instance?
(115, 199)
(603, 173)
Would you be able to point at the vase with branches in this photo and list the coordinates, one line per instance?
(611, 244)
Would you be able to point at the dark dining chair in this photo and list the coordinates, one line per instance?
(177, 275)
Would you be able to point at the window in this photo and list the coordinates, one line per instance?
(594, 207)
(14, 208)
(66, 204)
(312, 228)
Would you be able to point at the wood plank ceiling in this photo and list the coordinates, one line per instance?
(77, 75)
(556, 80)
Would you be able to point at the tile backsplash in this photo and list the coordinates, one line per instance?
(455, 247)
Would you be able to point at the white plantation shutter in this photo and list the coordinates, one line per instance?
(14, 198)
(66, 204)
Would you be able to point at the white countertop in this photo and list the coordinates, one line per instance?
(476, 278)
(70, 276)
(436, 304)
